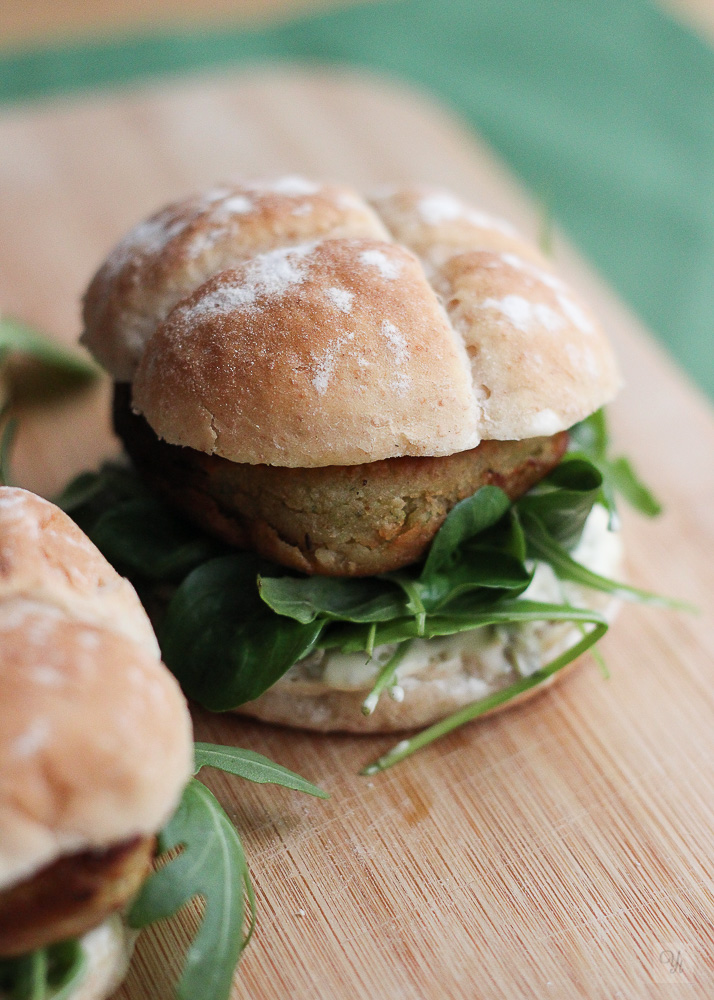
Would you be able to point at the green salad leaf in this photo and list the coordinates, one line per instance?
(307, 599)
(51, 973)
(590, 440)
(466, 519)
(18, 336)
(543, 546)
(210, 866)
(405, 748)
(252, 766)
(93, 494)
(236, 623)
(563, 500)
(459, 617)
(484, 574)
(222, 642)
(201, 860)
(628, 484)
(141, 538)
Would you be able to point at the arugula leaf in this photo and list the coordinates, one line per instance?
(626, 482)
(468, 518)
(405, 748)
(222, 642)
(486, 575)
(51, 973)
(542, 546)
(385, 678)
(308, 598)
(591, 435)
(141, 537)
(252, 766)
(590, 439)
(237, 623)
(17, 336)
(505, 536)
(563, 500)
(460, 617)
(210, 865)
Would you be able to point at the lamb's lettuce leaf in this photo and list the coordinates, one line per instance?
(309, 598)
(222, 642)
(466, 520)
(563, 500)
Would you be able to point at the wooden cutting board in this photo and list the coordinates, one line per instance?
(560, 850)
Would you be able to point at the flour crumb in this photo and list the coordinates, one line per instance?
(524, 314)
(442, 207)
(239, 204)
(387, 267)
(292, 186)
(341, 298)
(395, 341)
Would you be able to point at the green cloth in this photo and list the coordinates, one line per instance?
(606, 110)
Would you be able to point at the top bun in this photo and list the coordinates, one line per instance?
(46, 557)
(292, 324)
(95, 736)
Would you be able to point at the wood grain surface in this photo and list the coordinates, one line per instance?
(560, 850)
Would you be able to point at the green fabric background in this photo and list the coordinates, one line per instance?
(604, 107)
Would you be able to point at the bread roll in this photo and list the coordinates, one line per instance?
(95, 735)
(294, 325)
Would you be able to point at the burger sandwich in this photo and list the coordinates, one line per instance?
(96, 759)
(370, 456)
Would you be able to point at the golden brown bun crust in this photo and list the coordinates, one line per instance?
(437, 226)
(168, 256)
(332, 353)
(44, 556)
(524, 333)
(95, 741)
(354, 520)
(321, 342)
(96, 738)
(72, 895)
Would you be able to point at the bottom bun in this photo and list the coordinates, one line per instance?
(437, 677)
(108, 950)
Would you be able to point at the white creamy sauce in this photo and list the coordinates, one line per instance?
(484, 659)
